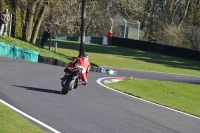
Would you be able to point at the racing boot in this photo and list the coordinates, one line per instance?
(84, 82)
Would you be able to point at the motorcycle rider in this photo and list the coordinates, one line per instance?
(81, 62)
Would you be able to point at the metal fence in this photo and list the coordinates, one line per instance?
(125, 28)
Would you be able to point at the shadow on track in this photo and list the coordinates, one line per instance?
(39, 89)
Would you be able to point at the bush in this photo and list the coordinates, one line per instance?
(185, 36)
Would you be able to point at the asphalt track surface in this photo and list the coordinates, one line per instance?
(34, 88)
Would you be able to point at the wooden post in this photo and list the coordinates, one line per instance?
(39, 41)
(55, 46)
(10, 25)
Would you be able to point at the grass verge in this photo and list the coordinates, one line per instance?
(41, 51)
(129, 58)
(12, 122)
(179, 96)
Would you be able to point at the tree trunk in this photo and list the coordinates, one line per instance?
(38, 23)
(14, 15)
(22, 22)
(25, 24)
(185, 12)
(1, 6)
(30, 21)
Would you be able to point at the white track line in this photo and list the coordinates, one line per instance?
(29, 117)
(99, 82)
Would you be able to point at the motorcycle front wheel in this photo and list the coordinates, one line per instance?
(68, 86)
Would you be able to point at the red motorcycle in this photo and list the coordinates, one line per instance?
(72, 81)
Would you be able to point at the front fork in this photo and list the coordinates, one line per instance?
(78, 82)
(63, 82)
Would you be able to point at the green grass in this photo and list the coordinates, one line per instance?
(12, 122)
(132, 59)
(180, 96)
(43, 52)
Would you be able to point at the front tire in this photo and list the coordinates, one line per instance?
(70, 84)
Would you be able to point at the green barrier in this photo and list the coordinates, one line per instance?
(2, 48)
(75, 38)
(18, 53)
(96, 40)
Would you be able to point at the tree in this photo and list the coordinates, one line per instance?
(157, 17)
(38, 22)
(30, 20)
